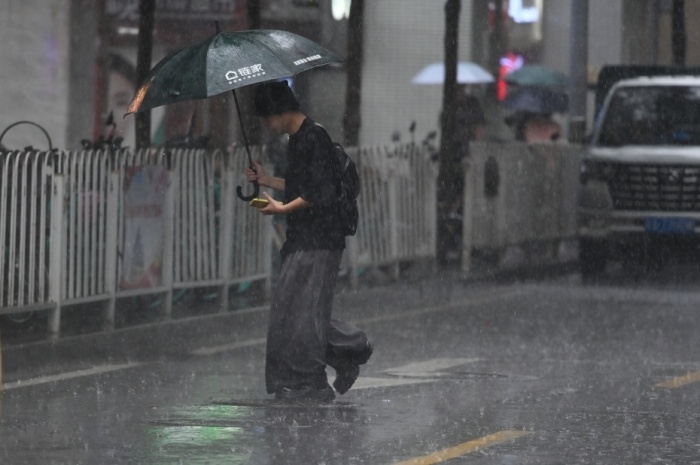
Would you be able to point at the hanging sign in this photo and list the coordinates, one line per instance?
(144, 227)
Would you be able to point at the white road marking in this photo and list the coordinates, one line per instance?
(373, 383)
(428, 371)
(68, 375)
(430, 367)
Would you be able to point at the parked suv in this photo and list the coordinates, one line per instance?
(640, 179)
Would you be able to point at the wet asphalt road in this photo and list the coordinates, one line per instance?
(527, 372)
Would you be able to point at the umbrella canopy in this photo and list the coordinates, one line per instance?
(227, 61)
(536, 100)
(536, 75)
(467, 73)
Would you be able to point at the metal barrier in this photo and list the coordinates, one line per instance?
(25, 198)
(522, 195)
(62, 228)
(397, 207)
(62, 224)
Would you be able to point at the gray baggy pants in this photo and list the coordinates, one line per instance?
(301, 336)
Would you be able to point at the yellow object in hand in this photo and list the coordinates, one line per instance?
(259, 203)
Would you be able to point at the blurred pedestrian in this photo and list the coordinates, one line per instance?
(470, 120)
(469, 125)
(534, 127)
(542, 128)
(302, 338)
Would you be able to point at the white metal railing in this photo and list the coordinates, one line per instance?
(86, 193)
(397, 206)
(25, 181)
(62, 227)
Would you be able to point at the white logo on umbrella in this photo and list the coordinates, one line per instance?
(247, 72)
(307, 59)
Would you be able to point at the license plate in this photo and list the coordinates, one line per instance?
(670, 225)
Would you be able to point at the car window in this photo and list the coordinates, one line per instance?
(652, 115)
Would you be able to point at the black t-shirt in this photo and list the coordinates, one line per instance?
(311, 175)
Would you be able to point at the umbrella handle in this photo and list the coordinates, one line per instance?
(248, 198)
(256, 186)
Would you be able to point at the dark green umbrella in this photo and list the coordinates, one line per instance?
(537, 76)
(225, 62)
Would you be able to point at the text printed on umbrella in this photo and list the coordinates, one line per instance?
(247, 72)
(307, 59)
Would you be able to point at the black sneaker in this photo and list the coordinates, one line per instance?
(369, 348)
(345, 379)
(306, 392)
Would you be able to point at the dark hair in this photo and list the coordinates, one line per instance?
(274, 98)
(121, 65)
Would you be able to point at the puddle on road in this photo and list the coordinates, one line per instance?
(253, 431)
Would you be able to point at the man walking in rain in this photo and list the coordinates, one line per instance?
(301, 337)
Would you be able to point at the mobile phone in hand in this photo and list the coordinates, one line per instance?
(259, 203)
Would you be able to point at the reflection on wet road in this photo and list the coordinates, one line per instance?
(528, 372)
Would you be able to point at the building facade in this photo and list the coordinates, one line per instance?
(67, 63)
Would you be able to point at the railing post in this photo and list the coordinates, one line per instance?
(111, 248)
(392, 188)
(168, 242)
(226, 237)
(468, 217)
(429, 191)
(57, 263)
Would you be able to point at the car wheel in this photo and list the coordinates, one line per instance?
(592, 258)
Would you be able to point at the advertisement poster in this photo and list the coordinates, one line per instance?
(144, 201)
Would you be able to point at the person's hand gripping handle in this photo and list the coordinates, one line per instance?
(253, 169)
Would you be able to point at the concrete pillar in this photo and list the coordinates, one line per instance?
(578, 69)
(81, 71)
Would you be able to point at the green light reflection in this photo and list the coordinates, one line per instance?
(206, 434)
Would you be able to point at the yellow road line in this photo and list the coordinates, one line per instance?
(69, 375)
(679, 381)
(465, 448)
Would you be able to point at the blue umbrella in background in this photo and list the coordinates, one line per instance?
(536, 100)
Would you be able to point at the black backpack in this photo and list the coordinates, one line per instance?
(348, 190)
